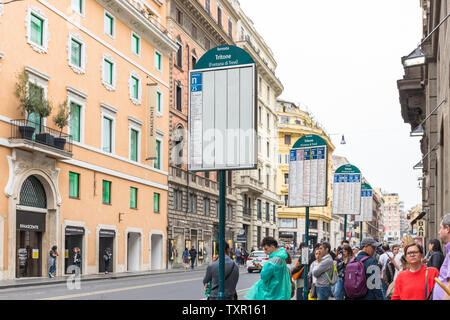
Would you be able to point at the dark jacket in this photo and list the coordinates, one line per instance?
(77, 259)
(193, 253)
(436, 260)
(372, 294)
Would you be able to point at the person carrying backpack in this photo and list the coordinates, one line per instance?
(362, 275)
(325, 272)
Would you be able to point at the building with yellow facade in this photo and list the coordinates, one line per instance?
(293, 123)
(105, 183)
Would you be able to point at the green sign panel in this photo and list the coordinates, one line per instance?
(224, 56)
(347, 168)
(309, 141)
(365, 186)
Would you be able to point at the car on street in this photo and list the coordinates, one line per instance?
(256, 256)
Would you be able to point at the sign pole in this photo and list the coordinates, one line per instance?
(222, 190)
(345, 227)
(305, 270)
(360, 232)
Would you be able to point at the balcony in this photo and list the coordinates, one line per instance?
(250, 185)
(31, 136)
(247, 212)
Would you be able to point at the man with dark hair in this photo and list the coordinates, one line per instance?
(275, 283)
(324, 272)
(384, 259)
(230, 280)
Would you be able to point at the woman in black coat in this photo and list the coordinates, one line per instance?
(77, 258)
(436, 258)
(108, 257)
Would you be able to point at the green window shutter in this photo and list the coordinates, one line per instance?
(109, 24)
(136, 44)
(75, 121)
(37, 28)
(74, 185)
(135, 87)
(75, 56)
(108, 70)
(106, 194)
(80, 6)
(157, 161)
(157, 61)
(158, 101)
(134, 145)
(156, 202)
(133, 198)
(107, 135)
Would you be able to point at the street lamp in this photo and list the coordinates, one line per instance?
(343, 140)
(335, 134)
(416, 58)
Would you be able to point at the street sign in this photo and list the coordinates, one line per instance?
(347, 190)
(308, 172)
(421, 228)
(222, 111)
(366, 204)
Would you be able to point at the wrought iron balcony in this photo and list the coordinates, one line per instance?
(29, 135)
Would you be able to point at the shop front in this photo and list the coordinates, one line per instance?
(73, 239)
(106, 241)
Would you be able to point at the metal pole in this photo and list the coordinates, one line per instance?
(345, 227)
(360, 232)
(305, 270)
(222, 194)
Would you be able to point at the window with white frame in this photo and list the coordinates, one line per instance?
(135, 44)
(157, 162)
(108, 129)
(135, 139)
(78, 6)
(159, 102)
(109, 24)
(108, 72)
(76, 106)
(135, 87)
(39, 82)
(158, 61)
(77, 53)
(37, 30)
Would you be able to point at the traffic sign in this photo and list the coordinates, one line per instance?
(347, 190)
(308, 172)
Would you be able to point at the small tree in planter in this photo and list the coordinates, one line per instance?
(28, 99)
(61, 119)
(44, 109)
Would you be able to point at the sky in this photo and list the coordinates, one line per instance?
(342, 59)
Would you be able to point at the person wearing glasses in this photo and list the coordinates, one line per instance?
(417, 281)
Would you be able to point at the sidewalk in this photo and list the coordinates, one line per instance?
(26, 282)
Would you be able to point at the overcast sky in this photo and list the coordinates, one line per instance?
(343, 59)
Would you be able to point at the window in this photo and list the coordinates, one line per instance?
(217, 208)
(287, 223)
(78, 6)
(192, 206)
(108, 72)
(157, 161)
(75, 121)
(286, 178)
(313, 224)
(274, 213)
(133, 198)
(287, 139)
(219, 17)
(267, 232)
(75, 57)
(260, 115)
(258, 209)
(258, 236)
(206, 206)
(135, 44)
(230, 28)
(268, 149)
(107, 134)
(156, 202)
(159, 102)
(179, 16)
(74, 185)
(194, 61)
(178, 97)
(134, 87)
(286, 200)
(267, 211)
(179, 55)
(109, 24)
(106, 194)
(268, 94)
(134, 144)
(37, 29)
(158, 64)
(178, 200)
(229, 212)
(268, 121)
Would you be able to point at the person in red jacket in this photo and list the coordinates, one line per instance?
(416, 282)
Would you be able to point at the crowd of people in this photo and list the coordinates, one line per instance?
(374, 271)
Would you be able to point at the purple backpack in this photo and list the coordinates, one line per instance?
(355, 279)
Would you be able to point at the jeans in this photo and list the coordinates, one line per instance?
(52, 268)
(383, 289)
(323, 293)
(192, 262)
(339, 292)
(300, 294)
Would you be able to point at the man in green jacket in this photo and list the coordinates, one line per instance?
(275, 283)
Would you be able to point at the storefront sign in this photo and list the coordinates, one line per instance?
(107, 233)
(74, 231)
(151, 132)
(421, 228)
(35, 254)
(30, 221)
(308, 172)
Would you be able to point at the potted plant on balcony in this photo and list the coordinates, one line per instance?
(28, 99)
(61, 119)
(44, 109)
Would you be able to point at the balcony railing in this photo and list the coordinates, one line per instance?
(247, 211)
(33, 132)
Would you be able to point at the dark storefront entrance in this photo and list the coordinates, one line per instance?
(106, 240)
(74, 238)
(30, 226)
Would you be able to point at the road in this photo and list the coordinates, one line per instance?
(174, 286)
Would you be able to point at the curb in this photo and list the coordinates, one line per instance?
(113, 277)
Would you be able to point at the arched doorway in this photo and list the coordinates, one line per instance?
(30, 226)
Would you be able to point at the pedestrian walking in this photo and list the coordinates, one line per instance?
(312, 280)
(185, 257)
(275, 283)
(347, 255)
(107, 256)
(297, 274)
(238, 256)
(435, 258)
(325, 272)
(230, 281)
(444, 272)
(362, 274)
(52, 261)
(244, 256)
(416, 282)
(389, 272)
(77, 258)
(384, 259)
(193, 255)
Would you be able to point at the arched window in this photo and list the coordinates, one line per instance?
(33, 194)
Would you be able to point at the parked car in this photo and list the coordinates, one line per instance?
(256, 256)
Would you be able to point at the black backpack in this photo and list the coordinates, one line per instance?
(388, 273)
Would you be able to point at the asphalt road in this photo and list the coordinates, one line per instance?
(175, 286)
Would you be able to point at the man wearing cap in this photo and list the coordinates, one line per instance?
(372, 269)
